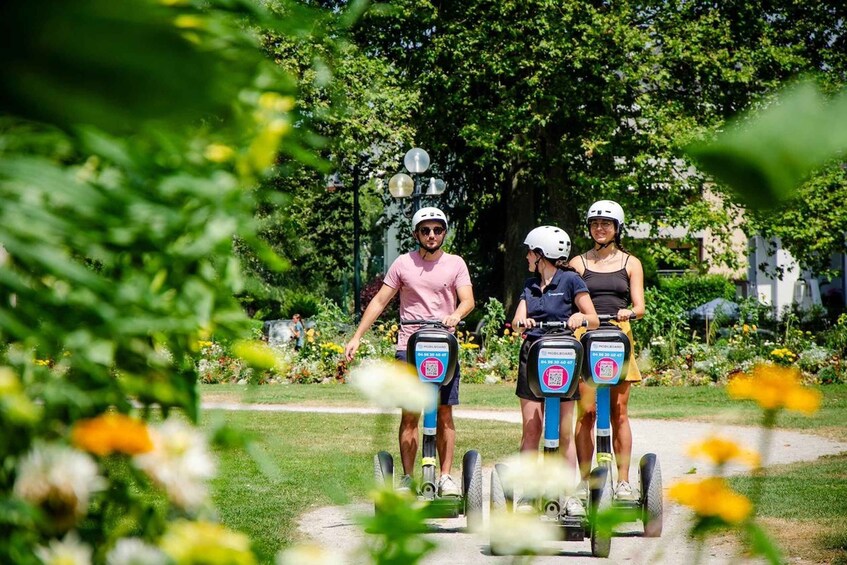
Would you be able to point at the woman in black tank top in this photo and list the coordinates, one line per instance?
(615, 281)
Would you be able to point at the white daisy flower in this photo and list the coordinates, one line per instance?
(60, 479)
(134, 551)
(515, 534)
(180, 462)
(535, 475)
(69, 551)
(393, 385)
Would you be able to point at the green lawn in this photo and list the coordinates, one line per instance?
(311, 459)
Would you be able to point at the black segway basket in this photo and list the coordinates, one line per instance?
(553, 366)
(606, 356)
(434, 353)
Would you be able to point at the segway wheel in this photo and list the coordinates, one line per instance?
(472, 488)
(651, 495)
(601, 501)
(383, 470)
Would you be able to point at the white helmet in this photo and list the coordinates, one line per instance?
(605, 209)
(429, 213)
(553, 242)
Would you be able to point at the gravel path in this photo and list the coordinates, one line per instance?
(334, 526)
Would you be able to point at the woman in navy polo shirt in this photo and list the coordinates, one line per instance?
(556, 293)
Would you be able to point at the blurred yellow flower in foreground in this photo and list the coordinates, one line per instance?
(721, 451)
(112, 433)
(712, 498)
(774, 387)
(207, 543)
(309, 555)
(218, 153)
(257, 354)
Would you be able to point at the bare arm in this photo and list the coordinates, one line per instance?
(586, 313)
(520, 320)
(372, 312)
(636, 290)
(465, 306)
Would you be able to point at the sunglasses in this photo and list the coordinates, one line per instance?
(425, 230)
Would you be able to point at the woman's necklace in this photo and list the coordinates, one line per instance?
(606, 259)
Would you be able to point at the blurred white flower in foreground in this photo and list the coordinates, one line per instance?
(134, 551)
(69, 551)
(60, 480)
(393, 385)
(180, 463)
(515, 534)
(309, 555)
(534, 475)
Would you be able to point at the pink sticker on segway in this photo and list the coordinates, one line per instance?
(606, 369)
(432, 368)
(555, 377)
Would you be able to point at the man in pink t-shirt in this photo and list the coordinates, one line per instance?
(433, 285)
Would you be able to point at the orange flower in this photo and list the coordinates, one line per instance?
(774, 387)
(712, 498)
(721, 451)
(112, 433)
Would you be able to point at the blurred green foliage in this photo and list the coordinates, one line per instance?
(133, 141)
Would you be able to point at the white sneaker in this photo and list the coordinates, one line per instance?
(582, 492)
(405, 484)
(573, 507)
(446, 487)
(524, 505)
(624, 492)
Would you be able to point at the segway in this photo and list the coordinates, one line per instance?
(434, 351)
(554, 366)
(607, 355)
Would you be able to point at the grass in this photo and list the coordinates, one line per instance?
(312, 460)
(323, 459)
(803, 505)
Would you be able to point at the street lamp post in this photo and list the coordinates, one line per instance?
(403, 185)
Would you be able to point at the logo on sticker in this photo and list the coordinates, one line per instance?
(432, 368)
(555, 376)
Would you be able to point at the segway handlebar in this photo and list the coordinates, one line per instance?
(552, 325)
(612, 317)
(427, 323)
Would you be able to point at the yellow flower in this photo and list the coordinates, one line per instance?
(257, 354)
(774, 387)
(745, 328)
(203, 344)
(721, 451)
(112, 433)
(469, 346)
(506, 331)
(218, 153)
(276, 102)
(42, 362)
(186, 21)
(712, 498)
(394, 327)
(206, 543)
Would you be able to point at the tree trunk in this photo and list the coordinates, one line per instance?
(520, 218)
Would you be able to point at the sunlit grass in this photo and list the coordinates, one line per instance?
(322, 459)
